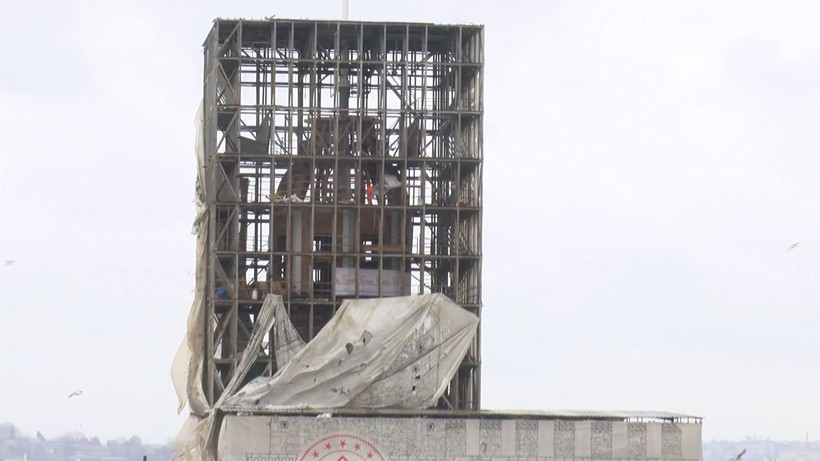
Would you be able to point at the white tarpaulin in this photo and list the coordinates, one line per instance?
(286, 340)
(187, 367)
(374, 353)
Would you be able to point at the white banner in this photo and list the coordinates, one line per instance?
(369, 282)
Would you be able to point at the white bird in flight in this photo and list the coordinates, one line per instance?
(793, 246)
(739, 455)
(75, 394)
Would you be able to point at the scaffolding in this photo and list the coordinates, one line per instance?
(343, 160)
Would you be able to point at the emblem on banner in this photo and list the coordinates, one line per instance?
(342, 447)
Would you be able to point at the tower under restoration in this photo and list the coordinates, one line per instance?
(340, 160)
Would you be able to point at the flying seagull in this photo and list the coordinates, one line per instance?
(75, 394)
(9, 262)
(793, 246)
(739, 455)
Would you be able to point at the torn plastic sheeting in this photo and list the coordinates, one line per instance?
(179, 373)
(189, 443)
(378, 353)
(264, 322)
(207, 430)
(286, 340)
(197, 437)
(189, 361)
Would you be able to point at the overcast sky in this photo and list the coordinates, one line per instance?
(647, 166)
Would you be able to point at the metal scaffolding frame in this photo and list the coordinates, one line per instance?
(344, 160)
